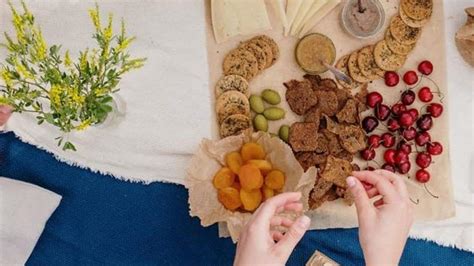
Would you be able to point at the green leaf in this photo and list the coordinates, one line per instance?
(69, 146)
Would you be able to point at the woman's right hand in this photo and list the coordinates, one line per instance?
(383, 225)
(5, 113)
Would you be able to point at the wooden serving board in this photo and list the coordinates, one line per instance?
(430, 46)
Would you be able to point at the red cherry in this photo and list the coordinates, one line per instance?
(382, 111)
(410, 77)
(393, 125)
(389, 156)
(404, 146)
(367, 154)
(409, 133)
(423, 159)
(404, 167)
(401, 157)
(425, 94)
(408, 97)
(406, 119)
(435, 109)
(369, 124)
(391, 78)
(425, 122)
(369, 168)
(414, 113)
(422, 138)
(398, 108)
(422, 176)
(374, 141)
(434, 148)
(425, 67)
(387, 140)
(388, 167)
(374, 98)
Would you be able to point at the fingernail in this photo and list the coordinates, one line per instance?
(303, 222)
(350, 181)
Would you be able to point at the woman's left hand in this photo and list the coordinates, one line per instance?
(259, 245)
(5, 113)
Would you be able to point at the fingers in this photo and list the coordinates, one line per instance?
(395, 179)
(281, 221)
(267, 210)
(381, 183)
(5, 113)
(361, 198)
(277, 236)
(291, 238)
(293, 206)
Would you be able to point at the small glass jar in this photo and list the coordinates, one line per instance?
(363, 24)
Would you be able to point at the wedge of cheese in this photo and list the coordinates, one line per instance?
(279, 8)
(313, 10)
(324, 11)
(304, 8)
(238, 17)
(292, 7)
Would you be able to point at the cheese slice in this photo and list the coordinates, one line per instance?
(325, 10)
(279, 8)
(313, 10)
(292, 7)
(304, 8)
(238, 17)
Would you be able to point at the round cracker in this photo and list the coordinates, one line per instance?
(342, 66)
(231, 103)
(403, 33)
(232, 83)
(367, 65)
(240, 62)
(267, 49)
(396, 47)
(417, 9)
(258, 53)
(412, 22)
(386, 59)
(234, 125)
(273, 45)
(354, 70)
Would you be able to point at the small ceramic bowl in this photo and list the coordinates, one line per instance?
(355, 32)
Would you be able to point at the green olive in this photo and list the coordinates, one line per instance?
(271, 96)
(274, 113)
(260, 123)
(256, 104)
(284, 132)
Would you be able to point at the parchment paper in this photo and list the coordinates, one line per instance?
(430, 46)
(210, 157)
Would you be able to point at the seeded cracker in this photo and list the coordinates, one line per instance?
(300, 96)
(395, 46)
(386, 59)
(367, 65)
(412, 22)
(240, 62)
(258, 52)
(303, 136)
(403, 33)
(234, 125)
(232, 83)
(230, 103)
(336, 171)
(417, 9)
(342, 66)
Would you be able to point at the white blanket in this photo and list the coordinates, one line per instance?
(169, 103)
(24, 210)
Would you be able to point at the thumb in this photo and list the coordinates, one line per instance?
(285, 246)
(5, 112)
(361, 199)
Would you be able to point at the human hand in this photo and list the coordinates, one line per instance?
(257, 241)
(5, 113)
(384, 224)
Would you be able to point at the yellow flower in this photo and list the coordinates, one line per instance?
(95, 16)
(55, 95)
(40, 44)
(67, 59)
(100, 91)
(6, 77)
(84, 125)
(21, 69)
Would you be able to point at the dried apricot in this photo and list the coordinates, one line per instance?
(267, 192)
(250, 177)
(264, 165)
(223, 178)
(250, 199)
(234, 161)
(230, 198)
(275, 180)
(252, 151)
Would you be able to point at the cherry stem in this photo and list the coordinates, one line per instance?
(429, 192)
(415, 202)
(438, 91)
(376, 163)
